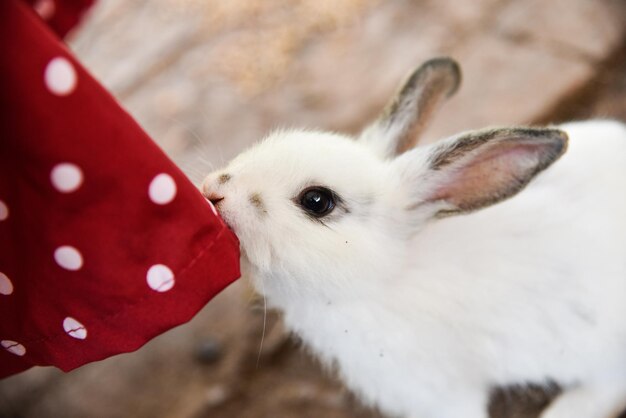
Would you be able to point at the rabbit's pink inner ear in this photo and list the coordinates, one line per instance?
(492, 173)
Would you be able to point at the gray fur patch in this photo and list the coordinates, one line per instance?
(257, 202)
(224, 178)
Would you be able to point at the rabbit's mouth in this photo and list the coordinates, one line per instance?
(215, 202)
(214, 198)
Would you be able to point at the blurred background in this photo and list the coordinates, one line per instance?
(206, 78)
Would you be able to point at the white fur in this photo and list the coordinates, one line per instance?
(424, 317)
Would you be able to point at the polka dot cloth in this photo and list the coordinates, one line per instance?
(66, 177)
(68, 258)
(60, 77)
(4, 211)
(162, 189)
(104, 243)
(45, 8)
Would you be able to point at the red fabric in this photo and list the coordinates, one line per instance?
(61, 15)
(88, 206)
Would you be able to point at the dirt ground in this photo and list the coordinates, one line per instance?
(209, 85)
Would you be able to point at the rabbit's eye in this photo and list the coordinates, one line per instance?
(317, 201)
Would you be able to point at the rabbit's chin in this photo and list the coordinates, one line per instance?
(255, 267)
(248, 270)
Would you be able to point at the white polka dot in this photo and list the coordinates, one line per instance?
(66, 177)
(212, 207)
(13, 347)
(6, 286)
(74, 328)
(45, 8)
(68, 257)
(60, 76)
(4, 211)
(162, 189)
(160, 278)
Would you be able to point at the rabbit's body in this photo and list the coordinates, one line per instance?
(531, 290)
(423, 313)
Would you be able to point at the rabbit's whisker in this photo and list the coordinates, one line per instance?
(258, 359)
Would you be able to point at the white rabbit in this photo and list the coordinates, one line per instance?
(412, 272)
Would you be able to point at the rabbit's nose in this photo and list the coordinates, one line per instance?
(211, 195)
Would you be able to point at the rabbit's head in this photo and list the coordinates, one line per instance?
(311, 205)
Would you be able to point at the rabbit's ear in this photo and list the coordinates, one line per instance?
(405, 117)
(478, 169)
